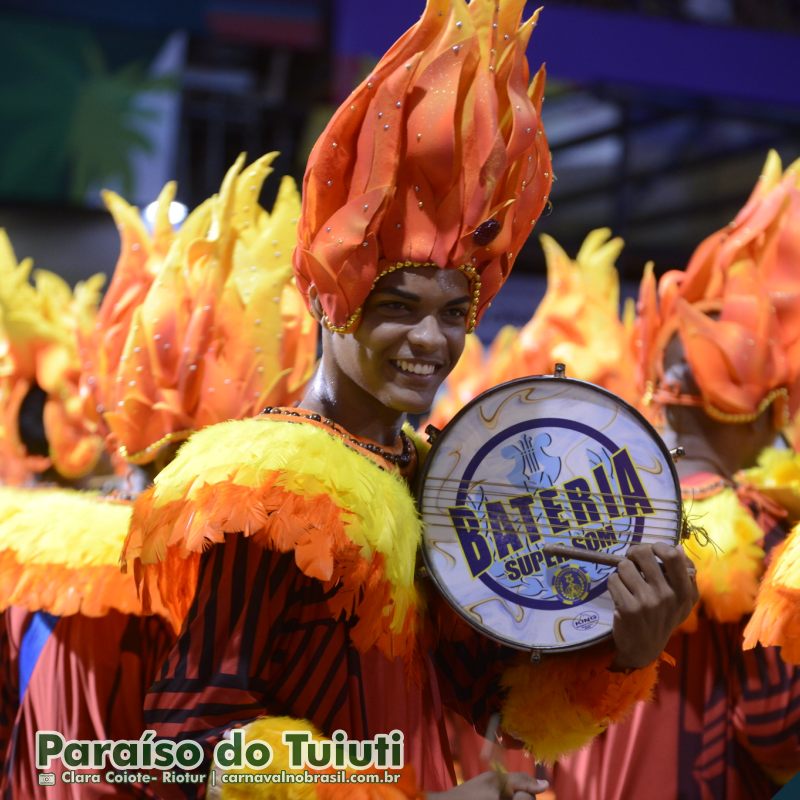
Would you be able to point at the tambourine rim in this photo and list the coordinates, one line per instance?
(438, 442)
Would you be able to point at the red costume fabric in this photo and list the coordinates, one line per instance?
(97, 693)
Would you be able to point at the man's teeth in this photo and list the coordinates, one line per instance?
(416, 368)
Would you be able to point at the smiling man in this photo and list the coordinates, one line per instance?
(290, 541)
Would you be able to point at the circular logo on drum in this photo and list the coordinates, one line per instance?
(586, 620)
(571, 584)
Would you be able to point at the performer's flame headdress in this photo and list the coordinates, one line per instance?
(735, 309)
(437, 159)
(39, 328)
(202, 325)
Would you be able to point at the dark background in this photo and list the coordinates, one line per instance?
(659, 114)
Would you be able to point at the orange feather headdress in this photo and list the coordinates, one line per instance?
(437, 159)
(203, 324)
(39, 328)
(732, 309)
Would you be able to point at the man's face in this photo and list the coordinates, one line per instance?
(410, 337)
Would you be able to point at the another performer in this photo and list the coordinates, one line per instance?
(725, 723)
(76, 652)
(291, 539)
(177, 344)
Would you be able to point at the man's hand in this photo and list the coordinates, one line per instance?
(494, 786)
(650, 601)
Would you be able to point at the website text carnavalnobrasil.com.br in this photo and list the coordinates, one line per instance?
(235, 759)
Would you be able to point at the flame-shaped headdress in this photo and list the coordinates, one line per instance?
(39, 329)
(735, 308)
(202, 325)
(437, 159)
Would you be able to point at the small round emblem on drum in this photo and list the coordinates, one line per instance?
(586, 621)
(571, 584)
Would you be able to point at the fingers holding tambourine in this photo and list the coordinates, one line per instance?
(681, 574)
(495, 785)
(653, 592)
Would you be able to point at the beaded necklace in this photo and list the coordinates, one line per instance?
(401, 459)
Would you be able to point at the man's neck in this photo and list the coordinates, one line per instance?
(370, 420)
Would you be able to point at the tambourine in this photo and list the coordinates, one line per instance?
(523, 470)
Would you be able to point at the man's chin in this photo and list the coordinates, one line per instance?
(410, 402)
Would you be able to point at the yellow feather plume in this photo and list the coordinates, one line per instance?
(730, 564)
(59, 552)
(270, 730)
(777, 475)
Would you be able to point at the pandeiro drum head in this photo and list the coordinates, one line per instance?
(535, 461)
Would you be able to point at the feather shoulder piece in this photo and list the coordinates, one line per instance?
(59, 552)
(777, 475)
(293, 487)
(730, 563)
(776, 619)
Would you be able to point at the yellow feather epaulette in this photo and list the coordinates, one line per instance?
(777, 476)
(731, 562)
(776, 619)
(292, 487)
(59, 552)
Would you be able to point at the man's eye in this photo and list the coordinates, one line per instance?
(394, 305)
(459, 312)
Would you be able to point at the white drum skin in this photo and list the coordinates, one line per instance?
(533, 461)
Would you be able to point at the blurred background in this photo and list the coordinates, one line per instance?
(659, 114)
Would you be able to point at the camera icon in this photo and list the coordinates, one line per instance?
(47, 779)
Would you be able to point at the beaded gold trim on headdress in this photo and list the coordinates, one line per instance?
(659, 395)
(468, 269)
(146, 454)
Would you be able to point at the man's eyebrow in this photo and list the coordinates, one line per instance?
(411, 296)
(398, 292)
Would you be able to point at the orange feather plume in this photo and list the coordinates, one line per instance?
(438, 158)
(733, 309)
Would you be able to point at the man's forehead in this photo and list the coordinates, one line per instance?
(421, 280)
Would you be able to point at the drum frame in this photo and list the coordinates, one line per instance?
(438, 437)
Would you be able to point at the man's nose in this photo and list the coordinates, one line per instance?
(427, 334)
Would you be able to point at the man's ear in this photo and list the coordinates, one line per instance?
(314, 303)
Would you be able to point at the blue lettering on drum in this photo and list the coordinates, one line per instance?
(508, 527)
(500, 532)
